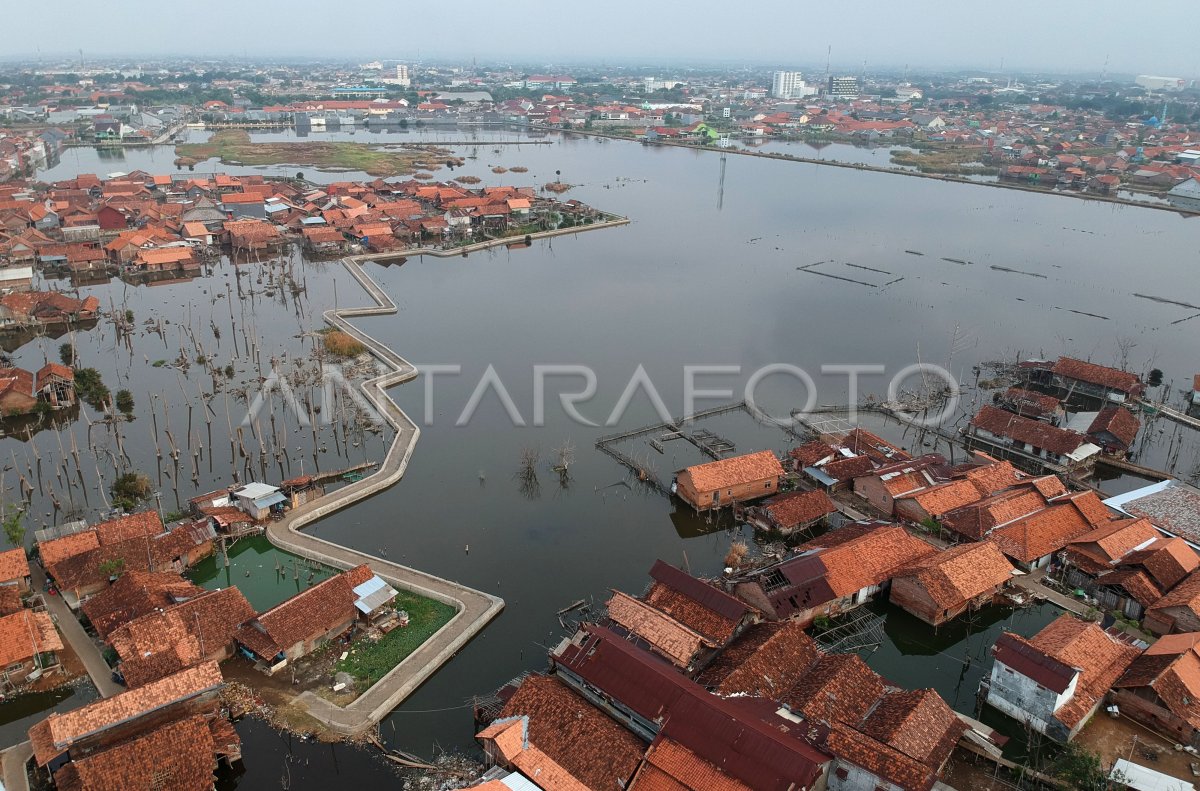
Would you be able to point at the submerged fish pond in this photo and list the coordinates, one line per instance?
(772, 263)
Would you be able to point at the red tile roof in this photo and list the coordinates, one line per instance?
(1101, 548)
(669, 766)
(810, 453)
(1171, 667)
(160, 643)
(745, 737)
(577, 736)
(1168, 561)
(306, 615)
(1064, 647)
(726, 473)
(796, 508)
(1030, 402)
(135, 593)
(838, 688)
(664, 634)
(767, 660)
(25, 634)
(58, 549)
(870, 558)
(13, 565)
(695, 603)
(1185, 594)
(1118, 421)
(123, 528)
(978, 519)
(1097, 374)
(956, 576)
(1040, 534)
(916, 722)
(846, 469)
(879, 759)
(178, 756)
(1037, 433)
(58, 732)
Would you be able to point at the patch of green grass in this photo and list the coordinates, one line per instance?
(233, 146)
(369, 661)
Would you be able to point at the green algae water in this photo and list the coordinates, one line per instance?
(265, 575)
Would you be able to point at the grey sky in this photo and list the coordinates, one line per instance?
(1156, 37)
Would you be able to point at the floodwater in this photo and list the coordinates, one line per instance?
(19, 713)
(776, 263)
(265, 575)
(280, 760)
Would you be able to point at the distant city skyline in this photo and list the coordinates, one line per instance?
(1021, 35)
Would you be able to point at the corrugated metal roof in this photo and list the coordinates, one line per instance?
(255, 490)
(699, 591)
(743, 736)
(270, 500)
(373, 594)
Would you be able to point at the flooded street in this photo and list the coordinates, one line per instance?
(776, 263)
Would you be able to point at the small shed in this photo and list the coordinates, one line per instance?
(257, 499)
(373, 600)
(301, 489)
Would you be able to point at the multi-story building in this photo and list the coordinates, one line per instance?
(787, 85)
(844, 87)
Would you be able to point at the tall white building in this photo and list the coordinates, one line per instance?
(402, 77)
(1152, 83)
(787, 85)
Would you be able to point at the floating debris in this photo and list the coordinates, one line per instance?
(914, 252)
(957, 261)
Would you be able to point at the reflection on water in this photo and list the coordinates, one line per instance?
(265, 575)
(693, 280)
(279, 760)
(18, 713)
(951, 658)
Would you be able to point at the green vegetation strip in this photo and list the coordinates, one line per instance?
(234, 147)
(370, 661)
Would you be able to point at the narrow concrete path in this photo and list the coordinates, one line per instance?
(475, 608)
(14, 760)
(79, 640)
(1032, 583)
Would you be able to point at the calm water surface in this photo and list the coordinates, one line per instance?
(700, 277)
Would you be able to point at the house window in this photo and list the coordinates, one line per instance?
(14, 667)
(768, 484)
(774, 580)
(842, 773)
(716, 497)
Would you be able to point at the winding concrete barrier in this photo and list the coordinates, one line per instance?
(475, 609)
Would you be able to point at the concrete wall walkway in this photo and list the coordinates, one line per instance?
(475, 608)
(79, 640)
(13, 761)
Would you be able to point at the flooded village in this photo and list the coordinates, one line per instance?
(286, 501)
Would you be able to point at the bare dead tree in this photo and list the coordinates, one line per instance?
(528, 484)
(564, 457)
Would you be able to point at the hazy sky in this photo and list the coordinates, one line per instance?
(1156, 36)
